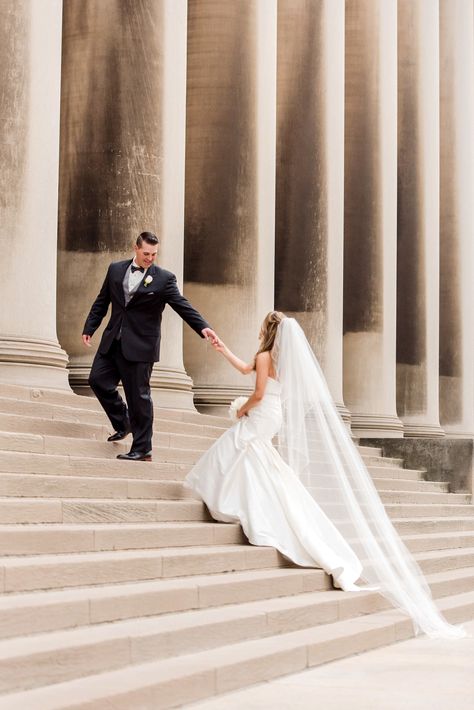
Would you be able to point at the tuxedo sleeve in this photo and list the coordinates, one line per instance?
(183, 308)
(99, 308)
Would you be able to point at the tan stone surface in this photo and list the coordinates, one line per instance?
(418, 218)
(370, 217)
(419, 674)
(456, 372)
(30, 86)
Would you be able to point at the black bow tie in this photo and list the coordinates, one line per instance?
(137, 268)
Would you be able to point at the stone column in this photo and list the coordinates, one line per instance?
(122, 163)
(457, 217)
(418, 218)
(230, 182)
(370, 217)
(30, 63)
(310, 176)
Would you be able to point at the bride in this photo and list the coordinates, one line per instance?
(313, 498)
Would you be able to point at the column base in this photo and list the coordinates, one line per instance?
(344, 413)
(216, 400)
(413, 429)
(370, 426)
(31, 362)
(171, 387)
(459, 431)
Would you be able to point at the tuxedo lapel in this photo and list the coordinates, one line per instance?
(119, 282)
(153, 272)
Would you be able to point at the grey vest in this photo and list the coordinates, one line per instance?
(128, 295)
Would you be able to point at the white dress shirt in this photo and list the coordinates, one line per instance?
(136, 277)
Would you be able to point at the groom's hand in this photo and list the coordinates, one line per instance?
(86, 339)
(209, 334)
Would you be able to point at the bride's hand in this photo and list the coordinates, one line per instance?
(241, 413)
(219, 346)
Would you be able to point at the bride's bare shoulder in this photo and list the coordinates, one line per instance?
(264, 359)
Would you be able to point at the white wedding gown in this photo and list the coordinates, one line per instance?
(242, 478)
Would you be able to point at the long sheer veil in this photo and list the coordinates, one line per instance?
(317, 445)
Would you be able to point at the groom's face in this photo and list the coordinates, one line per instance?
(145, 254)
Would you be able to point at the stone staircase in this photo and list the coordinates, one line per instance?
(118, 590)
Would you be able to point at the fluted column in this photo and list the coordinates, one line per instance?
(418, 218)
(122, 162)
(370, 217)
(30, 63)
(310, 176)
(457, 217)
(230, 181)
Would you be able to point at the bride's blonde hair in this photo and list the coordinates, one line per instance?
(268, 332)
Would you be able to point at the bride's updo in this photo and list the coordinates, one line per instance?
(268, 331)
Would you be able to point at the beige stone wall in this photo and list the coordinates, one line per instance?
(316, 156)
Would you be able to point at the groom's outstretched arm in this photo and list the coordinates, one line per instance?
(99, 308)
(184, 309)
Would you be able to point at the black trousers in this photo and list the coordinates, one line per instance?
(106, 373)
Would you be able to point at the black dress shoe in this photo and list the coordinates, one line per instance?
(119, 435)
(135, 456)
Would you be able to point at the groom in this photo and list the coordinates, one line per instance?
(138, 291)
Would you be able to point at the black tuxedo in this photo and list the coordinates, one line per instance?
(139, 321)
(130, 344)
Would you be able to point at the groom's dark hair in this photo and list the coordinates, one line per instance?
(147, 237)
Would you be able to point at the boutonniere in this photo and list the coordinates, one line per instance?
(148, 280)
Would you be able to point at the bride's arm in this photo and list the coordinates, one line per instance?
(235, 361)
(262, 367)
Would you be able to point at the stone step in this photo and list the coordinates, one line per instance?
(48, 539)
(455, 581)
(13, 425)
(94, 421)
(423, 542)
(432, 561)
(173, 634)
(382, 461)
(401, 484)
(65, 570)
(77, 510)
(326, 497)
(28, 539)
(183, 679)
(63, 465)
(73, 570)
(91, 404)
(390, 472)
(90, 466)
(422, 497)
(36, 612)
(63, 655)
(168, 449)
(430, 510)
(32, 485)
(19, 416)
(370, 450)
(413, 526)
(62, 446)
(35, 485)
(103, 510)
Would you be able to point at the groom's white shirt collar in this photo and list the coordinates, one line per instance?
(134, 263)
(134, 278)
